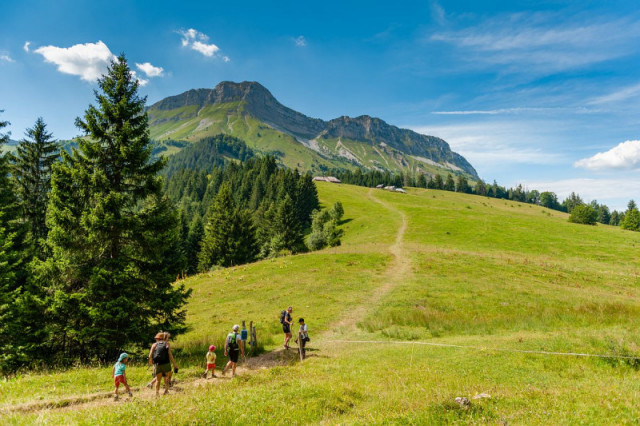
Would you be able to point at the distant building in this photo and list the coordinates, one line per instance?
(326, 179)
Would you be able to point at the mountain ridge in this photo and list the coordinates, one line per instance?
(342, 138)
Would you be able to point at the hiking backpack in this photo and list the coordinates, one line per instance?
(161, 353)
(283, 314)
(232, 342)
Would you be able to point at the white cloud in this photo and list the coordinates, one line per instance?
(26, 46)
(199, 42)
(624, 156)
(300, 41)
(88, 61)
(6, 58)
(141, 81)
(543, 42)
(226, 59)
(150, 70)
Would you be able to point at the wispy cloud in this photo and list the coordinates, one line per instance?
(543, 42)
(515, 110)
(437, 13)
(195, 40)
(150, 70)
(26, 46)
(6, 58)
(618, 95)
(490, 145)
(300, 41)
(624, 156)
(613, 192)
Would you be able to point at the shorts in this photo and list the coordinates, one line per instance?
(233, 356)
(161, 369)
(286, 328)
(211, 366)
(119, 380)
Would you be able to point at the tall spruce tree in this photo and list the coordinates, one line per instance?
(32, 172)
(229, 235)
(449, 184)
(111, 232)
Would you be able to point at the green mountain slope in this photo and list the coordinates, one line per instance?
(248, 111)
(433, 295)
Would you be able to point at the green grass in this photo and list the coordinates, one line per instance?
(484, 275)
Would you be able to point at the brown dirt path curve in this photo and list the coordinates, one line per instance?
(397, 271)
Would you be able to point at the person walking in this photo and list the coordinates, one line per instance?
(119, 374)
(232, 349)
(287, 322)
(211, 362)
(150, 385)
(161, 358)
(303, 338)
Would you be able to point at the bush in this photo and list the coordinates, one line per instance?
(584, 214)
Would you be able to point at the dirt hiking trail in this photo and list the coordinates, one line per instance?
(398, 269)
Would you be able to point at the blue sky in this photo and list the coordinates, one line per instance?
(544, 93)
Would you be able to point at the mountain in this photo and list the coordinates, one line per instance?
(250, 112)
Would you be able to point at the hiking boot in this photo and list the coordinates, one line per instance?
(204, 375)
(213, 375)
(166, 392)
(130, 395)
(115, 397)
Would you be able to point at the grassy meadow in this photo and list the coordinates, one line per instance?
(482, 278)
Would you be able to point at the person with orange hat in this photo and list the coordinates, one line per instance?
(161, 358)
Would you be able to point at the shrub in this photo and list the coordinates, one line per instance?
(584, 214)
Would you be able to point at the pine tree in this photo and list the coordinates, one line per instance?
(229, 235)
(438, 183)
(112, 234)
(631, 220)
(449, 185)
(422, 181)
(32, 172)
(194, 239)
(287, 231)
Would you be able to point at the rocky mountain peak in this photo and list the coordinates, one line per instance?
(250, 91)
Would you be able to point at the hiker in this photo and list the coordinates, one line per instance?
(119, 375)
(161, 357)
(232, 349)
(303, 338)
(211, 362)
(287, 322)
(153, 374)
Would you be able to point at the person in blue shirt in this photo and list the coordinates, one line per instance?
(119, 374)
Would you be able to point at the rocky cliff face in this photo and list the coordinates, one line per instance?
(260, 103)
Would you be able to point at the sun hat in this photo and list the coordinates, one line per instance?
(236, 327)
(159, 336)
(212, 348)
(123, 355)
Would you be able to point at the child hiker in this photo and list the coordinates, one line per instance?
(211, 362)
(119, 375)
(303, 338)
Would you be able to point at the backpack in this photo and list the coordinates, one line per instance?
(232, 342)
(161, 353)
(283, 314)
